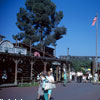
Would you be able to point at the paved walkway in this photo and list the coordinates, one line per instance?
(73, 91)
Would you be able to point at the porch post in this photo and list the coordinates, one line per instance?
(31, 70)
(45, 65)
(57, 73)
(16, 66)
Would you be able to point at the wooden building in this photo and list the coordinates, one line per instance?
(20, 66)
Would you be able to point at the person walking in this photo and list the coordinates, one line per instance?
(45, 91)
(81, 76)
(78, 75)
(50, 79)
(40, 78)
(90, 77)
(65, 76)
(95, 77)
(73, 76)
(46, 86)
(70, 76)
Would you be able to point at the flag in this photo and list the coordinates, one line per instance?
(94, 20)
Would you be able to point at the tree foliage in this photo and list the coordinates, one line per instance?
(38, 21)
(81, 63)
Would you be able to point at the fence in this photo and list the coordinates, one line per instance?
(24, 80)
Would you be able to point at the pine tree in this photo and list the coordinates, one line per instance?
(39, 22)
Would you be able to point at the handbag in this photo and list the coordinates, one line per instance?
(49, 86)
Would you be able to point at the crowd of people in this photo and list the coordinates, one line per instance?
(47, 81)
(79, 77)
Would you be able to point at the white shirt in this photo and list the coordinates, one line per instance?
(96, 75)
(81, 74)
(73, 73)
(50, 78)
(90, 76)
(78, 73)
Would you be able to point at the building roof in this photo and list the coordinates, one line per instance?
(2, 36)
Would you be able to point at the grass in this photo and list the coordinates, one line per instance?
(28, 84)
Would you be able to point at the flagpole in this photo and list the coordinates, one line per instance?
(96, 41)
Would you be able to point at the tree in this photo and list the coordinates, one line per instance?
(15, 38)
(39, 20)
(18, 37)
(80, 63)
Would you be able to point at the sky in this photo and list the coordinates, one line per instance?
(78, 17)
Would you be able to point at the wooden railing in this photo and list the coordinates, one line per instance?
(23, 80)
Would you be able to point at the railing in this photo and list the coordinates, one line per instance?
(13, 50)
(24, 80)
